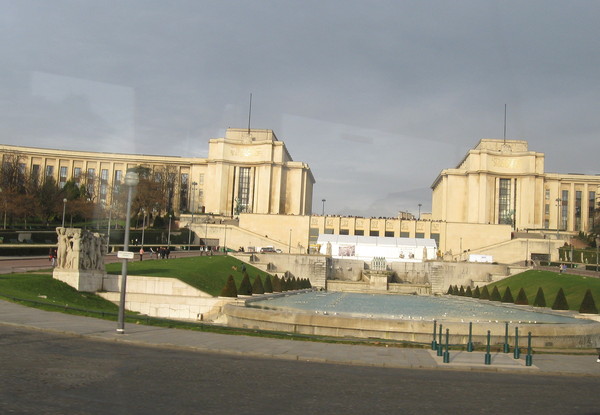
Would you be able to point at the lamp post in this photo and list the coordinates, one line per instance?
(64, 210)
(323, 212)
(169, 237)
(143, 225)
(558, 200)
(290, 243)
(419, 218)
(131, 180)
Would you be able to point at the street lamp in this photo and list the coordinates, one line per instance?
(323, 213)
(558, 200)
(64, 210)
(419, 211)
(143, 225)
(169, 237)
(131, 180)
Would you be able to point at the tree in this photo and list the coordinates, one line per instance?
(468, 291)
(522, 298)
(257, 286)
(588, 305)
(560, 302)
(268, 286)
(245, 286)
(507, 297)
(540, 298)
(229, 289)
(485, 293)
(476, 292)
(495, 295)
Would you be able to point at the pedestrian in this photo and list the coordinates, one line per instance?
(151, 253)
(141, 253)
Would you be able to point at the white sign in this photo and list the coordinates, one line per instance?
(125, 255)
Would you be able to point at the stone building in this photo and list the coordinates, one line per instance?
(247, 171)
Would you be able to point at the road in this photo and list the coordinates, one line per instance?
(43, 373)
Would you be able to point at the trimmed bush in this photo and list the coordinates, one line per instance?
(267, 285)
(450, 290)
(229, 289)
(588, 305)
(468, 292)
(277, 288)
(495, 295)
(476, 292)
(245, 286)
(522, 298)
(540, 298)
(507, 297)
(257, 286)
(485, 293)
(560, 302)
(461, 291)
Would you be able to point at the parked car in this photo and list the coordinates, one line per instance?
(267, 249)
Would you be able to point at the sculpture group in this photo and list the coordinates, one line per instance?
(80, 249)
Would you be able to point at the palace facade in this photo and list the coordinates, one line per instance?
(247, 171)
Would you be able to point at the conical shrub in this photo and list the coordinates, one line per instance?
(540, 298)
(485, 293)
(507, 297)
(468, 292)
(229, 289)
(588, 305)
(461, 291)
(245, 286)
(276, 284)
(560, 302)
(476, 292)
(450, 290)
(522, 298)
(267, 285)
(257, 286)
(495, 295)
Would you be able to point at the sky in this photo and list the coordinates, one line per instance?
(376, 96)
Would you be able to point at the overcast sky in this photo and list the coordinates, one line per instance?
(376, 96)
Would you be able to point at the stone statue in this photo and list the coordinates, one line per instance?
(80, 249)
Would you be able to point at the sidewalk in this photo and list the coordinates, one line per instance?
(550, 364)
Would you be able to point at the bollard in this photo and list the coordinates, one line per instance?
(488, 356)
(439, 345)
(517, 353)
(447, 352)
(433, 342)
(506, 347)
(528, 358)
(470, 342)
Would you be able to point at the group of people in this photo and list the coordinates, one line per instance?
(160, 253)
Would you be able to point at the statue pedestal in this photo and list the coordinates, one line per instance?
(81, 280)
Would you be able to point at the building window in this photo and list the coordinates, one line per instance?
(328, 231)
(546, 223)
(436, 238)
(505, 214)
(547, 209)
(243, 201)
(389, 234)
(547, 194)
(35, 172)
(76, 173)
(564, 212)
(404, 234)
(104, 175)
(183, 192)
(373, 233)
(201, 179)
(358, 232)
(63, 176)
(201, 197)
(49, 171)
(578, 195)
(344, 232)
(591, 210)
(420, 235)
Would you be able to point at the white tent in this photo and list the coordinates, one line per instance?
(368, 247)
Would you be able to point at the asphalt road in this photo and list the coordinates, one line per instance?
(43, 373)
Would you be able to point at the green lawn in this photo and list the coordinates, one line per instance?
(44, 289)
(207, 273)
(574, 286)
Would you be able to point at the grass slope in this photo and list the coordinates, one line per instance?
(207, 273)
(574, 286)
(44, 289)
